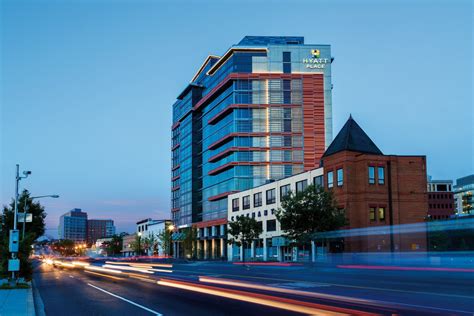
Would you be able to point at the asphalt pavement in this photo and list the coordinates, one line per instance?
(217, 288)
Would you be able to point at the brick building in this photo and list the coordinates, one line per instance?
(376, 189)
(440, 199)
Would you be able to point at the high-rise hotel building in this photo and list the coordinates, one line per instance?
(260, 112)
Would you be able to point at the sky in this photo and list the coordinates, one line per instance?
(87, 87)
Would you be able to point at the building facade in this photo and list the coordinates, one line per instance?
(440, 199)
(73, 226)
(127, 245)
(260, 112)
(375, 190)
(154, 231)
(99, 228)
(463, 195)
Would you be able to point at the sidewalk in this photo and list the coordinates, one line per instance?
(18, 302)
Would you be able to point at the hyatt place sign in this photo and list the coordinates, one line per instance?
(315, 62)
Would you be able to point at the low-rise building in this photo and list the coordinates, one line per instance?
(440, 199)
(127, 245)
(463, 195)
(99, 228)
(374, 189)
(154, 231)
(73, 226)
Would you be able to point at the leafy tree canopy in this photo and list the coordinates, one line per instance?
(311, 211)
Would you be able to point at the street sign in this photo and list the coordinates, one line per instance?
(21, 217)
(14, 240)
(14, 265)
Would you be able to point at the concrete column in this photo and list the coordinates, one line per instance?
(230, 253)
(198, 248)
(241, 253)
(279, 254)
(252, 249)
(213, 248)
(213, 231)
(223, 229)
(265, 249)
(295, 253)
(175, 249)
(222, 247)
(205, 249)
(313, 251)
(205, 231)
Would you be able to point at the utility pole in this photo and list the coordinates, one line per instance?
(17, 180)
(14, 233)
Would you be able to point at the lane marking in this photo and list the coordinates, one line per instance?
(126, 300)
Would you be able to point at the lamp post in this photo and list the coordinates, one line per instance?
(171, 230)
(25, 209)
(15, 212)
(139, 246)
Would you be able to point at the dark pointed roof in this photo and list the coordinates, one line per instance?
(352, 138)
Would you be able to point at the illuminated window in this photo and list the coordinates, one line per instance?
(381, 213)
(372, 214)
(371, 175)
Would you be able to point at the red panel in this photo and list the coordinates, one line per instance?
(313, 120)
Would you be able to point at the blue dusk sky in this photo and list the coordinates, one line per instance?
(87, 87)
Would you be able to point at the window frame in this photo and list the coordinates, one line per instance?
(371, 179)
(381, 179)
(273, 199)
(304, 185)
(255, 204)
(244, 205)
(340, 181)
(372, 211)
(330, 179)
(235, 208)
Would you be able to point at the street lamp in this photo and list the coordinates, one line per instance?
(14, 231)
(25, 209)
(139, 246)
(170, 228)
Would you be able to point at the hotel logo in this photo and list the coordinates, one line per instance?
(315, 53)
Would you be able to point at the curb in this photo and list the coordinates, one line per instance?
(37, 301)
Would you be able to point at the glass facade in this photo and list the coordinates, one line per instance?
(240, 123)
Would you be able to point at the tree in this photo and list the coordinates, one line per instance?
(137, 245)
(33, 230)
(165, 241)
(189, 242)
(65, 247)
(308, 212)
(243, 231)
(114, 246)
(150, 243)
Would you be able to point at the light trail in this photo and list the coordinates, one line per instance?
(94, 268)
(140, 264)
(399, 268)
(81, 263)
(104, 275)
(126, 268)
(262, 299)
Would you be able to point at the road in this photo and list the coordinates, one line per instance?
(206, 288)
